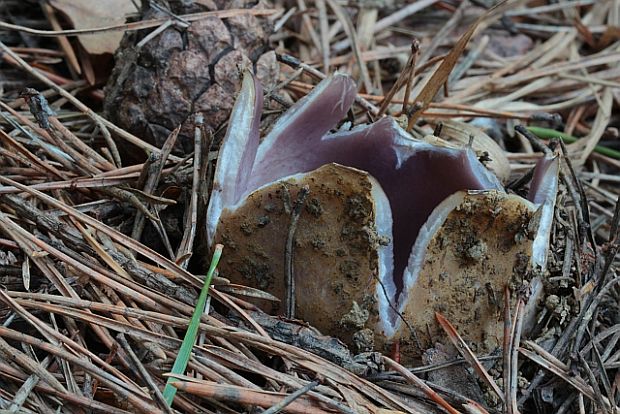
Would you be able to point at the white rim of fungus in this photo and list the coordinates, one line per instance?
(229, 158)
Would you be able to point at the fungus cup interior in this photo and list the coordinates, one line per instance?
(414, 175)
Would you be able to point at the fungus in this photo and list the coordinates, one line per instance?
(414, 200)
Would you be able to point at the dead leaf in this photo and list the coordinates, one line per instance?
(88, 14)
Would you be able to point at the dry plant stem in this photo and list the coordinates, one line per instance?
(289, 250)
(511, 402)
(468, 61)
(236, 361)
(307, 24)
(125, 195)
(57, 126)
(89, 183)
(581, 202)
(144, 24)
(537, 144)
(467, 353)
(148, 187)
(110, 296)
(63, 42)
(324, 34)
(118, 237)
(155, 33)
(415, 49)
(24, 239)
(105, 131)
(20, 149)
(425, 407)
(412, 379)
(445, 30)
(112, 280)
(370, 56)
(148, 169)
(93, 156)
(594, 382)
(85, 402)
(557, 349)
(507, 348)
(310, 361)
(23, 360)
(547, 361)
(27, 387)
(440, 76)
(406, 74)
(533, 11)
(350, 31)
(137, 364)
(390, 20)
(240, 395)
(286, 401)
(184, 252)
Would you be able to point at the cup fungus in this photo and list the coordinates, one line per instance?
(393, 228)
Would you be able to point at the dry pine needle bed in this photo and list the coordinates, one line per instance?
(139, 141)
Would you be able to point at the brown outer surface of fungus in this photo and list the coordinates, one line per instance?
(481, 247)
(335, 247)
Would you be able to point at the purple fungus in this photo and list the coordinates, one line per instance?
(415, 177)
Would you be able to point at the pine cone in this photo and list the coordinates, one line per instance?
(178, 73)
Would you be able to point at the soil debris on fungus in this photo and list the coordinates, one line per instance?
(318, 271)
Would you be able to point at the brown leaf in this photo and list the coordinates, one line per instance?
(87, 14)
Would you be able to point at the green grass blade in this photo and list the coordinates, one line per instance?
(180, 364)
(546, 133)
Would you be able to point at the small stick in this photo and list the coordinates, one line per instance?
(139, 25)
(159, 398)
(415, 50)
(467, 353)
(517, 323)
(533, 139)
(412, 379)
(288, 253)
(507, 346)
(185, 250)
(280, 406)
(146, 169)
(347, 25)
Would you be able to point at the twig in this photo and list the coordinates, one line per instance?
(144, 373)
(145, 24)
(184, 252)
(415, 49)
(511, 402)
(350, 31)
(507, 348)
(412, 379)
(288, 252)
(286, 401)
(467, 353)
